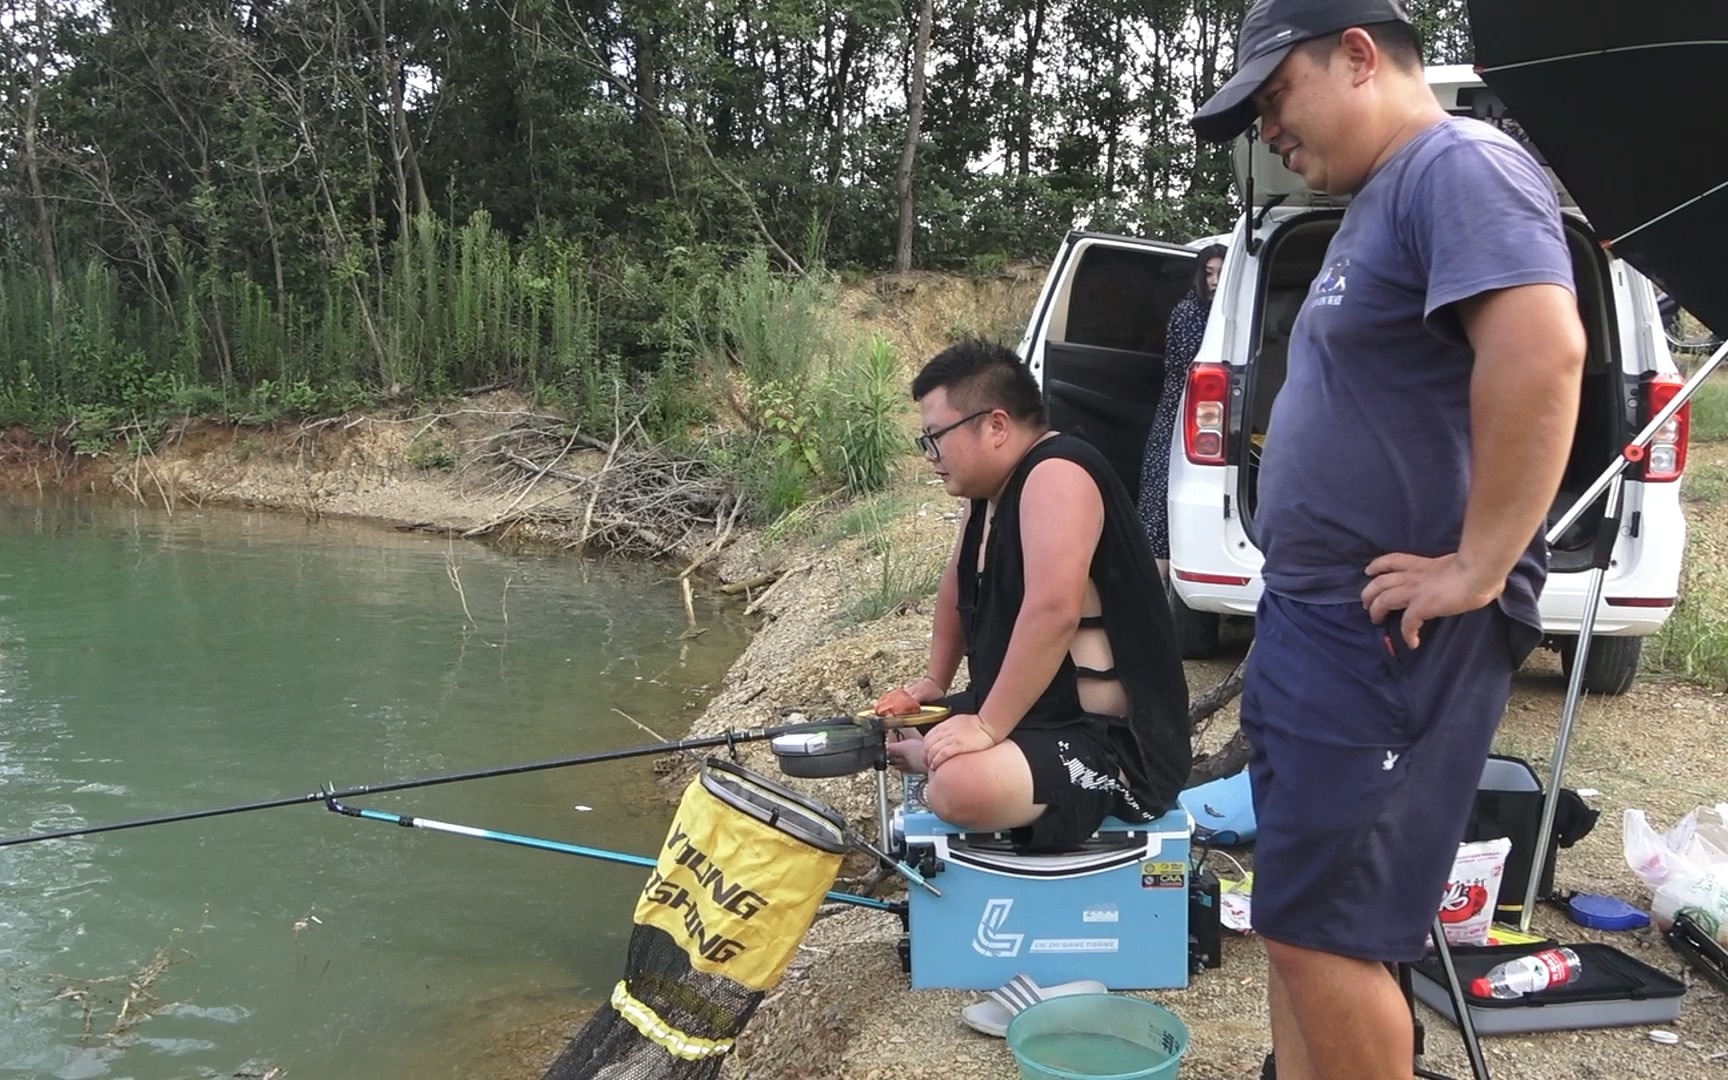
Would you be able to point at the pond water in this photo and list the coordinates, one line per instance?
(152, 663)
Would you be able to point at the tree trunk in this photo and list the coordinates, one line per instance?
(647, 51)
(416, 181)
(1028, 74)
(1113, 116)
(404, 165)
(33, 173)
(839, 97)
(644, 35)
(914, 122)
(270, 230)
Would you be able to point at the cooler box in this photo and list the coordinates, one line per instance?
(1116, 911)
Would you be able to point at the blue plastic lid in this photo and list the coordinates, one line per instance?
(1606, 913)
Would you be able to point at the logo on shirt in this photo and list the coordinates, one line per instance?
(1329, 288)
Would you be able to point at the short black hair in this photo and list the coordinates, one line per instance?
(1399, 41)
(1207, 254)
(980, 374)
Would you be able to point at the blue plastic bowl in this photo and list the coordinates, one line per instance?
(1097, 1037)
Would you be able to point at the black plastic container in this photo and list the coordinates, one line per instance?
(840, 749)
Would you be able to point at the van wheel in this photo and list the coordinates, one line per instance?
(1196, 631)
(1612, 666)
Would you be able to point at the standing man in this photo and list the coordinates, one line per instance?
(1411, 458)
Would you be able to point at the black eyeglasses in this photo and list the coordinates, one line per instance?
(928, 441)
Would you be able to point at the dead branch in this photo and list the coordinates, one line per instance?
(1230, 759)
(136, 1005)
(637, 501)
(510, 515)
(454, 573)
(1203, 707)
(537, 476)
(611, 456)
(756, 605)
(734, 587)
(719, 540)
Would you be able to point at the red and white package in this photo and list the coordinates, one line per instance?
(1472, 891)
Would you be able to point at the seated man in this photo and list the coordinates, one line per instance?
(1078, 704)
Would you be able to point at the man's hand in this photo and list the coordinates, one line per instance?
(1423, 589)
(965, 734)
(906, 751)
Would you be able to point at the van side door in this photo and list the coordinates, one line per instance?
(1096, 341)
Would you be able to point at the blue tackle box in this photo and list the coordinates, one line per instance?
(1115, 911)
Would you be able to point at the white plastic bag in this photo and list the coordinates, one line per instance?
(1690, 848)
(1704, 897)
(1686, 868)
(1473, 889)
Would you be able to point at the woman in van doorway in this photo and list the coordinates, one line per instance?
(1181, 342)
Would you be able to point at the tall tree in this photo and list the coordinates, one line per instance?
(914, 125)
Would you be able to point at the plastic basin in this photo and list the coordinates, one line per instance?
(1097, 1037)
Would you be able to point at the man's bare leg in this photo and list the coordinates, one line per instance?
(988, 790)
(1351, 1016)
(1288, 1049)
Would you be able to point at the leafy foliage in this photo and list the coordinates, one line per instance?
(270, 210)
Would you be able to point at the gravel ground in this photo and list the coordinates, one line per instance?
(845, 1010)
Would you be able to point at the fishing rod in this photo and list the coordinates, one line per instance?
(728, 738)
(538, 843)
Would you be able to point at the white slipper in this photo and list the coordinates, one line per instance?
(992, 1015)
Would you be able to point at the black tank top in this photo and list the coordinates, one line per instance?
(1152, 742)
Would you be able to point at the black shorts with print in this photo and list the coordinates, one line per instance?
(1075, 778)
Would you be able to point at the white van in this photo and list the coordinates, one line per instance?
(1096, 343)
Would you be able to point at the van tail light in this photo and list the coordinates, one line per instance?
(1208, 413)
(1665, 457)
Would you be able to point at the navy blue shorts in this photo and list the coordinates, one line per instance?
(1365, 757)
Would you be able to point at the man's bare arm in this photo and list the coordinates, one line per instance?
(1530, 350)
(1061, 520)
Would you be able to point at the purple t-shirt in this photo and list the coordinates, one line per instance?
(1368, 447)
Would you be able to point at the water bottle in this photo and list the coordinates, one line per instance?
(1529, 974)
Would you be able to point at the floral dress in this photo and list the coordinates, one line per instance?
(1181, 343)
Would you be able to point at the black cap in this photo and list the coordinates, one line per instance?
(1269, 31)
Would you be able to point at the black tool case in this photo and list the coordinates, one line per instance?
(1700, 950)
(1612, 990)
